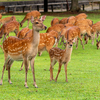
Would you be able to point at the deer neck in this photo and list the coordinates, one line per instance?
(67, 54)
(35, 37)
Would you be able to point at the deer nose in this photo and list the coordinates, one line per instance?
(45, 27)
(71, 45)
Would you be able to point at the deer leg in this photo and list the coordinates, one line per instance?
(82, 43)
(86, 40)
(21, 66)
(58, 71)
(39, 53)
(9, 66)
(77, 43)
(26, 71)
(33, 72)
(28, 23)
(93, 37)
(6, 60)
(65, 66)
(53, 62)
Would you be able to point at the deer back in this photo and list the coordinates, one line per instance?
(81, 16)
(54, 21)
(63, 21)
(71, 20)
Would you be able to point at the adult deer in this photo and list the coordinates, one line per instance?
(35, 14)
(23, 49)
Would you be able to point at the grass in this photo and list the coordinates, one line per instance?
(83, 74)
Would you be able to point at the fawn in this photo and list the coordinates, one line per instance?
(23, 49)
(35, 14)
(60, 56)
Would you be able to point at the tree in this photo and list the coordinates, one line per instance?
(74, 5)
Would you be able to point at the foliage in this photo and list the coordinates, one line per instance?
(83, 74)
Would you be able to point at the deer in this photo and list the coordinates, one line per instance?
(47, 40)
(85, 31)
(35, 14)
(54, 21)
(84, 22)
(73, 33)
(60, 56)
(58, 28)
(95, 31)
(16, 49)
(81, 16)
(12, 26)
(0, 16)
(7, 19)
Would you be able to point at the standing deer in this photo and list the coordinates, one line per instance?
(60, 56)
(23, 49)
(35, 14)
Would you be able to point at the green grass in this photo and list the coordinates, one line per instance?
(83, 74)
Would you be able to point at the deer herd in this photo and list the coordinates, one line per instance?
(29, 42)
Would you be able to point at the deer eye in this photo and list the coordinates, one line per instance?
(36, 23)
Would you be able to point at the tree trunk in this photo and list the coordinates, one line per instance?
(75, 6)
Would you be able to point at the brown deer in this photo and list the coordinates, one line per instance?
(47, 40)
(54, 21)
(58, 28)
(60, 56)
(73, 33)
(95, 31)
(0, 16)
(9, 27)
(7, 19)
(23, 49)
(81, 16)
(35, 14)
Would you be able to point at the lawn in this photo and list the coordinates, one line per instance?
(83, 74)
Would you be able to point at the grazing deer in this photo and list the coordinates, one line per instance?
(35, 14)
(81, 16)
(60, 56)
(63, 21)
(9, 27)
(7, 19)
(85, 31)
(23, 49)
(71, 20)
(54, 21)
(95, 31)
(98, 44)
(72, 33)
(58, 28)
(0, 16)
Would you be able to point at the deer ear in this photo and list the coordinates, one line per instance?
(32, 19)
(42, 18)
